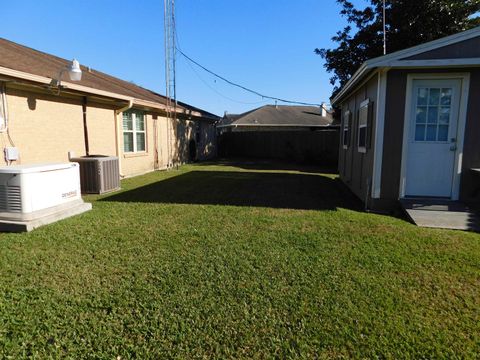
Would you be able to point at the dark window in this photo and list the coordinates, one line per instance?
(346, 128)
(364, 124)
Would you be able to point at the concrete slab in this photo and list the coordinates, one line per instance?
(29, 225)
(438, 213)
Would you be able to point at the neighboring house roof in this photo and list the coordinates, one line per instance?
(277, 116)
(20, 61)
(406, 59)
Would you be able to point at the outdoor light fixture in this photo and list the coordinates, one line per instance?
(74, 72)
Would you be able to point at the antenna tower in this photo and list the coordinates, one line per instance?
(170, 81)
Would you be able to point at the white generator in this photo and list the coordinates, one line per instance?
(45, 192)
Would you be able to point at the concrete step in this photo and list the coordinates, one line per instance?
(440, 213)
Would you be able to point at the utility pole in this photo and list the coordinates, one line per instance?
(170, 81)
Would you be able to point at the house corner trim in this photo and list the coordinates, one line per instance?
(379, 133)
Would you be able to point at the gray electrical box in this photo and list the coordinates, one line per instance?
(11, 153)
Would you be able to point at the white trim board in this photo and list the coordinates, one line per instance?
(462, 118)
(425, 47)
(434, 63)
(379, 134)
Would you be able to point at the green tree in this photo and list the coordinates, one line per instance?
(408, 23)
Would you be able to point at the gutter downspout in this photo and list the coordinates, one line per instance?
(3, 106)
(85, 126)
(117, 133)
(156, 158)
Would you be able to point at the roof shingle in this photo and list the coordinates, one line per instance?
(271, 115)
(22, 58)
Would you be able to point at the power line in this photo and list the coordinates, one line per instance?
(218, 92)
(243, 87)
(178, 48)
(190, 65)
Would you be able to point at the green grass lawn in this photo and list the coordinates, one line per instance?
(219, 261)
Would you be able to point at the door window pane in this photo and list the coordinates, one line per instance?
(431, 133)
(420, 133)
(422, 96)
(443, 133)
(446, 96)
(434, 97)
(444, 115)
(432, 115)
(421, 114)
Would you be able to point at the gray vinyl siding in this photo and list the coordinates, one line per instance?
(393, 133)
(462, 50)
(470, 183)
(356, 168)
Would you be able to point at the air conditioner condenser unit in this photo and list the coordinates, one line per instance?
(98, 173)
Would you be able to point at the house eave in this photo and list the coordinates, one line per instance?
(394, 60)
(356, 77)
(428, 46)
(65, 84)
(406, 64)
(69, 86)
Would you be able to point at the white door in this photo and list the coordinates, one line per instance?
(432, 137)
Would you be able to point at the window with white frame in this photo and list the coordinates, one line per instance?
(134, 133)
(347, 119)
(363, 125)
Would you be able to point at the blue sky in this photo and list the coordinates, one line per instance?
(266, 45)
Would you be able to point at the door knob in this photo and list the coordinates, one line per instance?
(453, 147)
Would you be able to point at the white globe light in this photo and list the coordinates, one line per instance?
(74, 71)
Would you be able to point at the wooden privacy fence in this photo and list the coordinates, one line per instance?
(315, 147)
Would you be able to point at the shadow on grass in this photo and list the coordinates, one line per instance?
(275, 190)
(271, 165)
